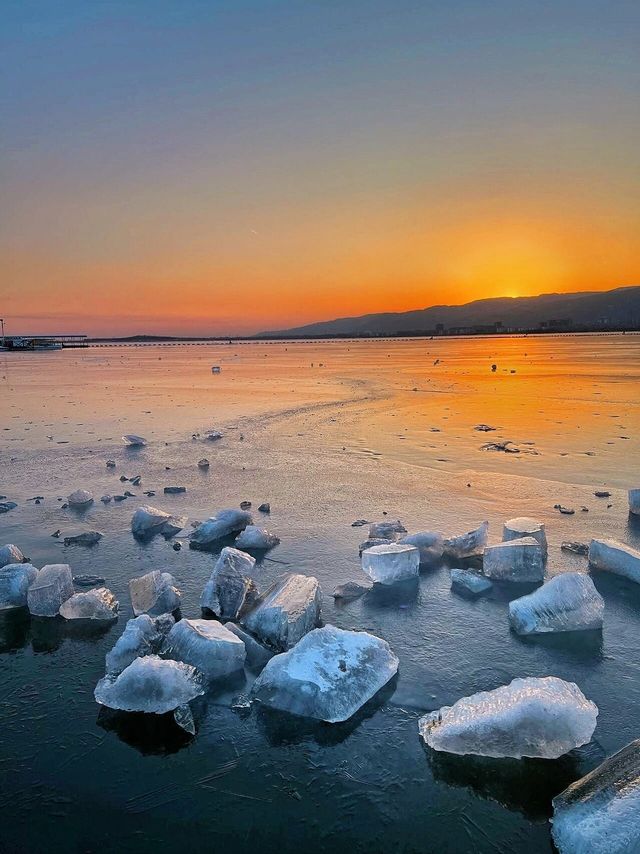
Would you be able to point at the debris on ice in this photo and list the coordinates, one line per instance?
(80, 498)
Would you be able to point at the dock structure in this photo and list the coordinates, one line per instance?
(29, 343)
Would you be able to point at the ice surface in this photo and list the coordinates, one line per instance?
(288, 610)
(615, 557)
(467, 546)
(225, 522)
(391, 563)
(529, 717)
(327, 675)
(524, 526)
(254, 537)
(470, 582)
(634, 501)
(515, 560)
(142, 636)
(15, 579)
(429, 543)
(80, 498)
(148, 520)
(10, 554)
(230, 590)
(150, 684)
(132, 439)
(600, 813)
(387, 530)
(52, 586)
(154, 593)
(207, 645)
(98, 604)
(566, 603)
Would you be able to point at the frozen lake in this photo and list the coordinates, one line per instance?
(328, 433)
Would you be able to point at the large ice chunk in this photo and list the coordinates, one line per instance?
(615, 557)
(600, 813)
(98, 604)
(391, 563)
(52, 586)
(230, 590)
(468, 546)
(154, 593)
(566, 603)
(254, 537)
(225, 522)
(634, 501)
(80, 498)
(288, 610)
(429, 543)
(387, 530)
(465, 581)
(15, 579)
(207, 645)
(327, 675)
(148, 520)
(515, 560)
(529, 717)
(142, 636)
(10, 554)
(524, 526)
(150, 684)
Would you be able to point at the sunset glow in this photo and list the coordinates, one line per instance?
(234, 167)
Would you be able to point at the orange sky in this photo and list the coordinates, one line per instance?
(251, 172)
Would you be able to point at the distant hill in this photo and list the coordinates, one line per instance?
(619, 308)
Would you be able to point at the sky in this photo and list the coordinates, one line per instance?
(210, 168)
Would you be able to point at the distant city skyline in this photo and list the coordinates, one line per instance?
(213, 168)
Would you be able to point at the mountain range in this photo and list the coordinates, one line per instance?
(618, 308)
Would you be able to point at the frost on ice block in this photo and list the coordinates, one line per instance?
(207, 646)
(542, 718)
(288, 610)
(515, 560)
(328, 675)
(154, 593)
(52, 586)
(230, 590)
(15, 579)
(524, 526)
(390, 563)
(613, 556)
(468, 546)
(430, 545)
(566, 603)
(98, 604)
(600, 813)
(150, 684)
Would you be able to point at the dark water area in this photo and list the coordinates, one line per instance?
(76, 777)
